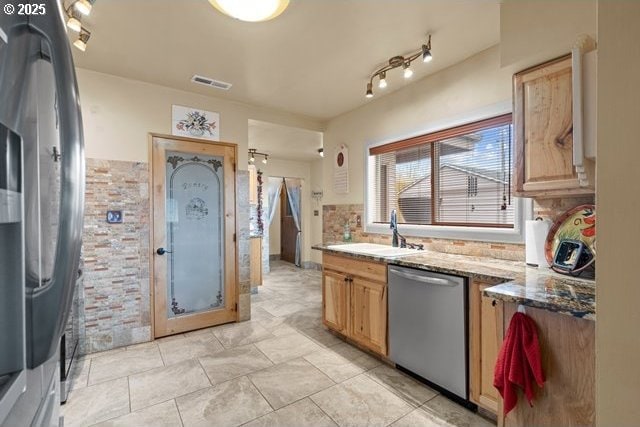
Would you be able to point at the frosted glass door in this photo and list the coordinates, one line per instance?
(195, 233)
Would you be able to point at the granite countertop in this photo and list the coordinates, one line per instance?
(254, 235)
(530, 286)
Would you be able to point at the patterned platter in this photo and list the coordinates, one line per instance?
(578, 223)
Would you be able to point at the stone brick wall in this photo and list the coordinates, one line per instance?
(113, 306)
(115, 293)
(334, 217)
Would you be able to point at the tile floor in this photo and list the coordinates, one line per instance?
(282, 368)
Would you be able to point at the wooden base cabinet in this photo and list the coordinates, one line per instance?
(255, 261)
(486, 317)
(354, 300)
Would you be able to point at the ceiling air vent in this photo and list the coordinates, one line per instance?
(206, 81)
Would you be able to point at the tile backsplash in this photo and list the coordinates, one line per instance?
(334, 217)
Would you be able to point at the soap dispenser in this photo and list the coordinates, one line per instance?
(346, 236)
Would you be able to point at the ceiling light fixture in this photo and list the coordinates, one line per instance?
(254, 152)
(251, 10)
(83, 38)
(321, 152)
(399, 61)
(83, 6)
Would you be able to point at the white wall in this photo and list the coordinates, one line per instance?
(118, 114)
(454, 93)
(618, 293)
(532, 32)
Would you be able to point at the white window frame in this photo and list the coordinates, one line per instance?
(523, 207)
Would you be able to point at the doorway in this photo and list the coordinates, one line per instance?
(194, 251)
(288, 229)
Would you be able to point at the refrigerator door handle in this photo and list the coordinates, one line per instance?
(50, 304)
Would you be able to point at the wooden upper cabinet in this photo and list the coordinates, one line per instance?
(369, 314)
(549, 159)
(335, 295)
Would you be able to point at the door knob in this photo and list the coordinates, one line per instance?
(162, 251)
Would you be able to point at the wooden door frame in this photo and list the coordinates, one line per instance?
(235, 294)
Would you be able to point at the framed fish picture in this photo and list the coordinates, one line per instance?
(195, 123)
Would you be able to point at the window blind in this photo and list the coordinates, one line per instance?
(460, 176)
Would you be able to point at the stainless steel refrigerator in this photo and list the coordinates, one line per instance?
(41, 208)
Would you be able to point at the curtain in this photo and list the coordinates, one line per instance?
(294, 193)
(273, 192)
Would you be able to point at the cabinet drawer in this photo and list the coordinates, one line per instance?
(366, 269)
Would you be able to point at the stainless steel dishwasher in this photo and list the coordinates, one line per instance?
(427, 327)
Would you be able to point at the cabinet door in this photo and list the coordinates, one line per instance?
(543, 126)
(255, 261)
(485, 345)
(369, 314)
(490, 309)
(334, 300)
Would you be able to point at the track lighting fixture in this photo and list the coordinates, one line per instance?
(74, 13)
(83, 38)
(254, 152)
(321, 152)
(399, 61)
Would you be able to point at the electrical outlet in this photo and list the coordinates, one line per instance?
(316, 212)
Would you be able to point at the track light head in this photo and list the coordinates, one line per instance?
(369, 90)
(74, 24)
(383, 80)
(265, 159)
(83, 6)
(83, 38)
(408, 72)
(426, 54)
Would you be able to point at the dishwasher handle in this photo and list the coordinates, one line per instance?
(422, 278)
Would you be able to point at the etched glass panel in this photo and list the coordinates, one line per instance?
(195, 233)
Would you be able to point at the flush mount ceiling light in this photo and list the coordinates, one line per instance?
(399, 61)
(253, 153)
(251, 10)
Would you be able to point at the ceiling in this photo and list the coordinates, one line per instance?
(314, 59)
(284, 142)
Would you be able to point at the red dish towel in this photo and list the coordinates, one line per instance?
(518, 363)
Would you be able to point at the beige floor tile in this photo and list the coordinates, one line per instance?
(443, 408)
(285, 383)
(305, 319)
(278, 309)
(360, 401)
(190, 347)
(239, 334)
(280, 349)
(233, 363)
(347, 351)
(322, 336)
(228, 404)
(283, 330)
(79, 374)
(401, 384)
(303, 413)
(160, 384)
(90, 405)
(162, 415)
(121, 364)
(104, 353)
(421, 418)
(333, 365)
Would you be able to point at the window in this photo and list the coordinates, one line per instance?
(455, 177)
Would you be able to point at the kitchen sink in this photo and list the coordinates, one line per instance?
(374, 249)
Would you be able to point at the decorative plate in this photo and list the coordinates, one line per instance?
(578, 223)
